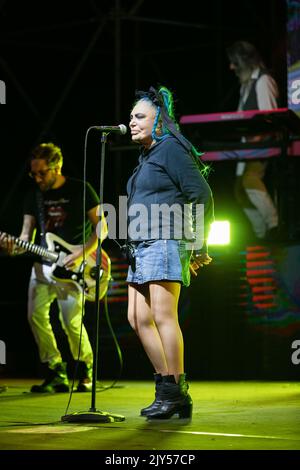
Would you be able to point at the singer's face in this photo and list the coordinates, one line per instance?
(141, 123)
(44, 176)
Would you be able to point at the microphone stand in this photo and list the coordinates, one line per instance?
(94, 415)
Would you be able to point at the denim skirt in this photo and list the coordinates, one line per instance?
(159, 260)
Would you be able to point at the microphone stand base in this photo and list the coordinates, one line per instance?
(92, 417)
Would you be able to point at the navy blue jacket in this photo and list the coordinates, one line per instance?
(167, 175)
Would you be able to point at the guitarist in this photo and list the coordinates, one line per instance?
(56, 205)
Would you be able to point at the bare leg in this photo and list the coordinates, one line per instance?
(164, 306)
(141, 319)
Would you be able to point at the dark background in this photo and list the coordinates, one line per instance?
(68, 66)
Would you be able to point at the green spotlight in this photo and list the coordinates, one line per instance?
(219, 233)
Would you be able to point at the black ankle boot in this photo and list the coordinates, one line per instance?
(56, 380)
(175, 399)
(157, 401)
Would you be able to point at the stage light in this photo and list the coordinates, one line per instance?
(219, 233)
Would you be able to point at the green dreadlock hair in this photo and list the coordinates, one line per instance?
(162, 98)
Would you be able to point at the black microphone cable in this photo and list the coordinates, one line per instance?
(75, 372)
(119, 352)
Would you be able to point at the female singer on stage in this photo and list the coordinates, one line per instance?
(173, 199)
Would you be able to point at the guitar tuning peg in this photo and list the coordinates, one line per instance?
(74, 277)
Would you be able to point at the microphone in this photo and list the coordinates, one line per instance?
(120, 128)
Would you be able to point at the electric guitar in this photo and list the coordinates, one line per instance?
(84, 276)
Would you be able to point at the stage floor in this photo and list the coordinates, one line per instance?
(227, 415)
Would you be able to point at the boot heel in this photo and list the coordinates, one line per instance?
(185, 411)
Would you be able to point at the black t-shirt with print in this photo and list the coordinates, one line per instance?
(63, 210)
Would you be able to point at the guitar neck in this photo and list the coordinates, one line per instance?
(37, 250)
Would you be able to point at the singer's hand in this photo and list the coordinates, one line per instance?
(198, 261)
